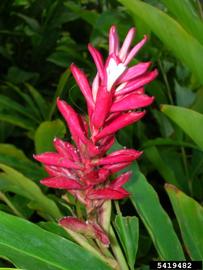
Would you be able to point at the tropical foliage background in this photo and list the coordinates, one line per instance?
(163, 219)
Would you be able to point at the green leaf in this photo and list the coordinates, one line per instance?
(14, 157)
(54, 228)
(165, 171)
(60, 88)
(7, 103)
(167, 142)
(165, 126)
(39, 100)
(190, 219)
(156, 220)
(197, 106)
(30, 247)
(188, 120)
(17, 121)
(89, 16)
(10, 204)
(171, 33)
(46, 133)
(60, 58)
(17, 75)
(30, 104)
(184, 96)
(164, 163)
(12, 150)
(21, 2)
(30, 21)
(12, 180)
(186, 14)
(128, 231)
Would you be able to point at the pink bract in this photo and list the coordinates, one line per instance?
(114, 100)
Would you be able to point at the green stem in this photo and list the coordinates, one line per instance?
(78, 210)
(104, 250)
(10, 205)
(105, 216)
(117, 207)
(117, 251)
(82, 241)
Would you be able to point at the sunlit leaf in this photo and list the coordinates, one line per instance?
(128, 232)
(30, 247)
(154, 217)
(190, 219)
(46, 133)
(171, 33)
(186, 14)
(12, 180)
(189, 121)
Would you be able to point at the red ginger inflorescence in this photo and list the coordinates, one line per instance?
(114, 101)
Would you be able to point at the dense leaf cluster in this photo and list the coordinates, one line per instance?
(163, 217)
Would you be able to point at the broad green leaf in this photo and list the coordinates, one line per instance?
(7, 103)
(21, 204)
(8, 201)
(156, 220)
(166, 172)
(53, 227)
(190, 219)
(25, 97)
(17, 75)
(21, 2)
(87, 15)
(17, 120)
(167, 142)
(46, 133)
(15, 158)
(165, 126)
(60, 58)
(184, 96)
(6, 130)
(172, 172)
(171, 33)
(186, 14)
(12, 150)
(30, 21)
(189, 121)
(12, 180)
(145, 245)
(128, 232)
(197, 105)
(30, 247)
(101, 27)
(28, 168)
